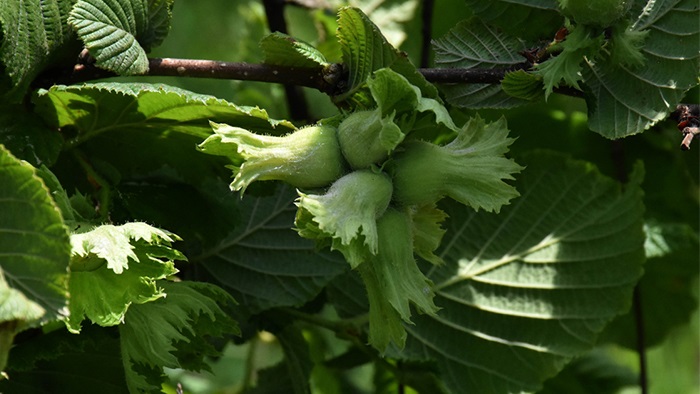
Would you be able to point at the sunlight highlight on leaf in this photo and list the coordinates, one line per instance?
(118, 33)
(525, 291)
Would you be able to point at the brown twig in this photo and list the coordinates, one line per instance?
(296, 102)
(426, 32)
(688, 118)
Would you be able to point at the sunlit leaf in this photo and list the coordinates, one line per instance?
(523, 292)
(365, 50)
(115, 266)
(118, 33)
(281, 49)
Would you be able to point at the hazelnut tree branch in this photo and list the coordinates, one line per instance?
(328, 80)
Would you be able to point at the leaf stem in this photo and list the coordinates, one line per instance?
(101, 185)
(346, 329)
(337, 326)
(641, 340)
(249, 365)
(618, 158)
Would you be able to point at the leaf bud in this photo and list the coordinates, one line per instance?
(367, 138)
(348, 210)
(307, 158)
(469, 169)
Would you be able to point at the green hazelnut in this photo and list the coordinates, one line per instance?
(347, 211)
(367, 138)
(307, 158)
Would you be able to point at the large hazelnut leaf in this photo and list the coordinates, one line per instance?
(525, 291)
(108, 119)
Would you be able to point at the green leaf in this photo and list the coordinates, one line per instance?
(365, 50)
(108, 119)
(670, 279)
(582, 42)
(391, 17)
(595, 372)
(263, 262)
(113, 244)
(625, 100)
(524, 292)
(475, 45)
(34, 245)
(32, 32)
(283, 50)
(118, 33)
(16, 311)
(27, 137)
(665, 238)
(523, 85)
(115, 266)
(297, 359)
(58, 361)
(531, 19)
(173, 331)
(394, 93)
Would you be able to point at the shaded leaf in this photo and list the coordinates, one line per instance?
(523, 85)
(118, 33)
(523, 292)
(34, 246)
(263, 262)
(33, 31)
(59, 361)
(474, 44)
(155, 334)
(135, 117)
(27, 137)
(296, 358)
(595, 372)
(530, 19)
(625, 100)
(667, 289)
